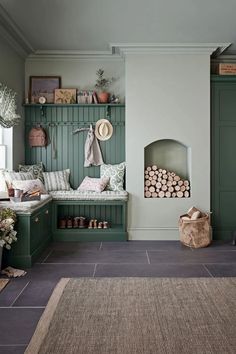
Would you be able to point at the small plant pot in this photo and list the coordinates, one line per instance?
(103, 97)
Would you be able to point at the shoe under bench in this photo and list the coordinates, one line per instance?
(112, 211)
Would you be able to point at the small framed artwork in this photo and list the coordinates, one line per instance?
(43, 86)
(65, 96)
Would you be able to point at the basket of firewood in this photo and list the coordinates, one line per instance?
(195, 228)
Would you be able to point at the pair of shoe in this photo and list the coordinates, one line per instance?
(65, 223)
(93, 224)
(79, 222)
(103, 225)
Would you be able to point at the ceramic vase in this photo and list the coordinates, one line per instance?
(103, 97)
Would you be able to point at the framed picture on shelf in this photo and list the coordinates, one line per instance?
(66, 96)
(43, 86)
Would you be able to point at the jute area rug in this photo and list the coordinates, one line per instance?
(3, 283)
(139, 315)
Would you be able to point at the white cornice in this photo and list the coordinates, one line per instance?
(168, 48)
(119, 50)
(72, 55)
(231, 58)
(13, 35)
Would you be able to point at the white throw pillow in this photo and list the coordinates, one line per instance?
(29, 185)
(57, 180)
(9, 176)
(93, 184)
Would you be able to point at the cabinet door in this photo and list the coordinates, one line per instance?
(47, 219)
(223, 157)
(40, 227)
(36, 229)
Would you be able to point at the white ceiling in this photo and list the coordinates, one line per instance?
(93, 24)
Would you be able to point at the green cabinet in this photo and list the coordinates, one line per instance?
(34, 234)
(223, 156)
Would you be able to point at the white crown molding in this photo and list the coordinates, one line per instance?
(72, 55)
(119, 50)
(168, 48)
(13, 35)
(230, 58)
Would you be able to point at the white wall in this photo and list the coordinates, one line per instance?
(167, 97)
(78, 73)
(12, 74)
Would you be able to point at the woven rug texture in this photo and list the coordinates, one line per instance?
(139, 316)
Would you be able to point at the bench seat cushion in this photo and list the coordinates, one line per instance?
(27, 208)
(89, 195)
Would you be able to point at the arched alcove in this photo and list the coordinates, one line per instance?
(171, 156)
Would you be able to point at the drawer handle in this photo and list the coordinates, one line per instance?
(46, 212)
(36, 220)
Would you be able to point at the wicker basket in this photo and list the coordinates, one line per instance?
(195, 233)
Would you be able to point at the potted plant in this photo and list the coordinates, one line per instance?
(7, 232)
(102, 85)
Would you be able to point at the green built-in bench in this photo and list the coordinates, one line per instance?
(105, 206)
(37, 221)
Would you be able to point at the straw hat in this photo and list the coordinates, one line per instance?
(103, 129)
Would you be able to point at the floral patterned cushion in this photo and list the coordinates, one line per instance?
(36, 170)
(93, 184)
(116, 175)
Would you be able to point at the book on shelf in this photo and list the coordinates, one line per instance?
(95, 97)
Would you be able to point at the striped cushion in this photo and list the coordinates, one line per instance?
(57, 180)
(19, 176)
(89, 195)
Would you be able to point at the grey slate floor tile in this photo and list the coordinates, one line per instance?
(36, 293)
(48, 271)
(80, 256)
(222, 270)
(144, 245)
(219, 246)
(192, 257)
(68, 247)
(13, 349)
(12, 290)
(17, 325)
(151, 270)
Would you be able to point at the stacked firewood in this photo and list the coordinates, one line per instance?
(160, 183)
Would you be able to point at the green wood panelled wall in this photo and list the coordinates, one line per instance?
(223, 169)
(60, 121)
